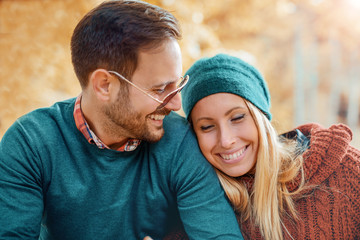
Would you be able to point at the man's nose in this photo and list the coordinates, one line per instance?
(174, 104)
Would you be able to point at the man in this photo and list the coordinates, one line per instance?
(107, 165)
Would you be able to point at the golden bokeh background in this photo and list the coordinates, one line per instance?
(308, 51)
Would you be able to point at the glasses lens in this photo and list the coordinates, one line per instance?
(176, 91)
(167, 99)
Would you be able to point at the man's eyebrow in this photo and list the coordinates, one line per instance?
(164, 84)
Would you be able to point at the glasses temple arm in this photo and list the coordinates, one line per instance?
(138, 88)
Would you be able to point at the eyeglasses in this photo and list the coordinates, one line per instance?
(166, 100)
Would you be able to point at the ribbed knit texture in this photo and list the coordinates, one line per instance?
(225, 74)
(330, 209)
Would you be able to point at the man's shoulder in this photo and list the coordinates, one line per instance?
(58, 108)
(178, 138)
(41, 119)
(176, 128)
(176, 120)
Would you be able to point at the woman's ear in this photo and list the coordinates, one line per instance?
(101, 82)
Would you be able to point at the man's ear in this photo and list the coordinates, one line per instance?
(102, 83)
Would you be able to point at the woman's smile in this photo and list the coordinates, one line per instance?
(237, 156)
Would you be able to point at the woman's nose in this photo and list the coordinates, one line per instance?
(227, 138)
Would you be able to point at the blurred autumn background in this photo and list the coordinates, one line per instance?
(308, 50)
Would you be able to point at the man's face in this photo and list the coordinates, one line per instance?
(157, 72)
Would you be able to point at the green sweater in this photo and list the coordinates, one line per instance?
(56, 185)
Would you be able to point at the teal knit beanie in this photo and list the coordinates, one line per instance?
(225, 74)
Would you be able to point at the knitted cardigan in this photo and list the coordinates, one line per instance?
(330, 209)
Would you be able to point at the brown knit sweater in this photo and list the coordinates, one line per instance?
(331, 209)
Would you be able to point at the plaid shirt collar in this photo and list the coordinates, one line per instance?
(90, 136)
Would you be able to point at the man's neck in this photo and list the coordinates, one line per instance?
(101, 126)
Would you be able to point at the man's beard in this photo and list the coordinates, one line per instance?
(125, 122)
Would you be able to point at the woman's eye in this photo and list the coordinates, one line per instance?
(238, 118)
(206, 128)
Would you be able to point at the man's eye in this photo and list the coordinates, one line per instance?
(159, 91)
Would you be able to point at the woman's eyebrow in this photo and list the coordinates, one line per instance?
(233, 109)
(203, 118)
(227, 113)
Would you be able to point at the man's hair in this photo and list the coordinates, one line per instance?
(111, 35)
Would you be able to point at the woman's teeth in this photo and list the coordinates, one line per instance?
(234, 155)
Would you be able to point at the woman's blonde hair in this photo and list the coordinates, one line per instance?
(269, 200)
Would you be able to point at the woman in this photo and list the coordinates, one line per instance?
(304, 184)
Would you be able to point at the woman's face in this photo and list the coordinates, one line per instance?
(226, 132)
